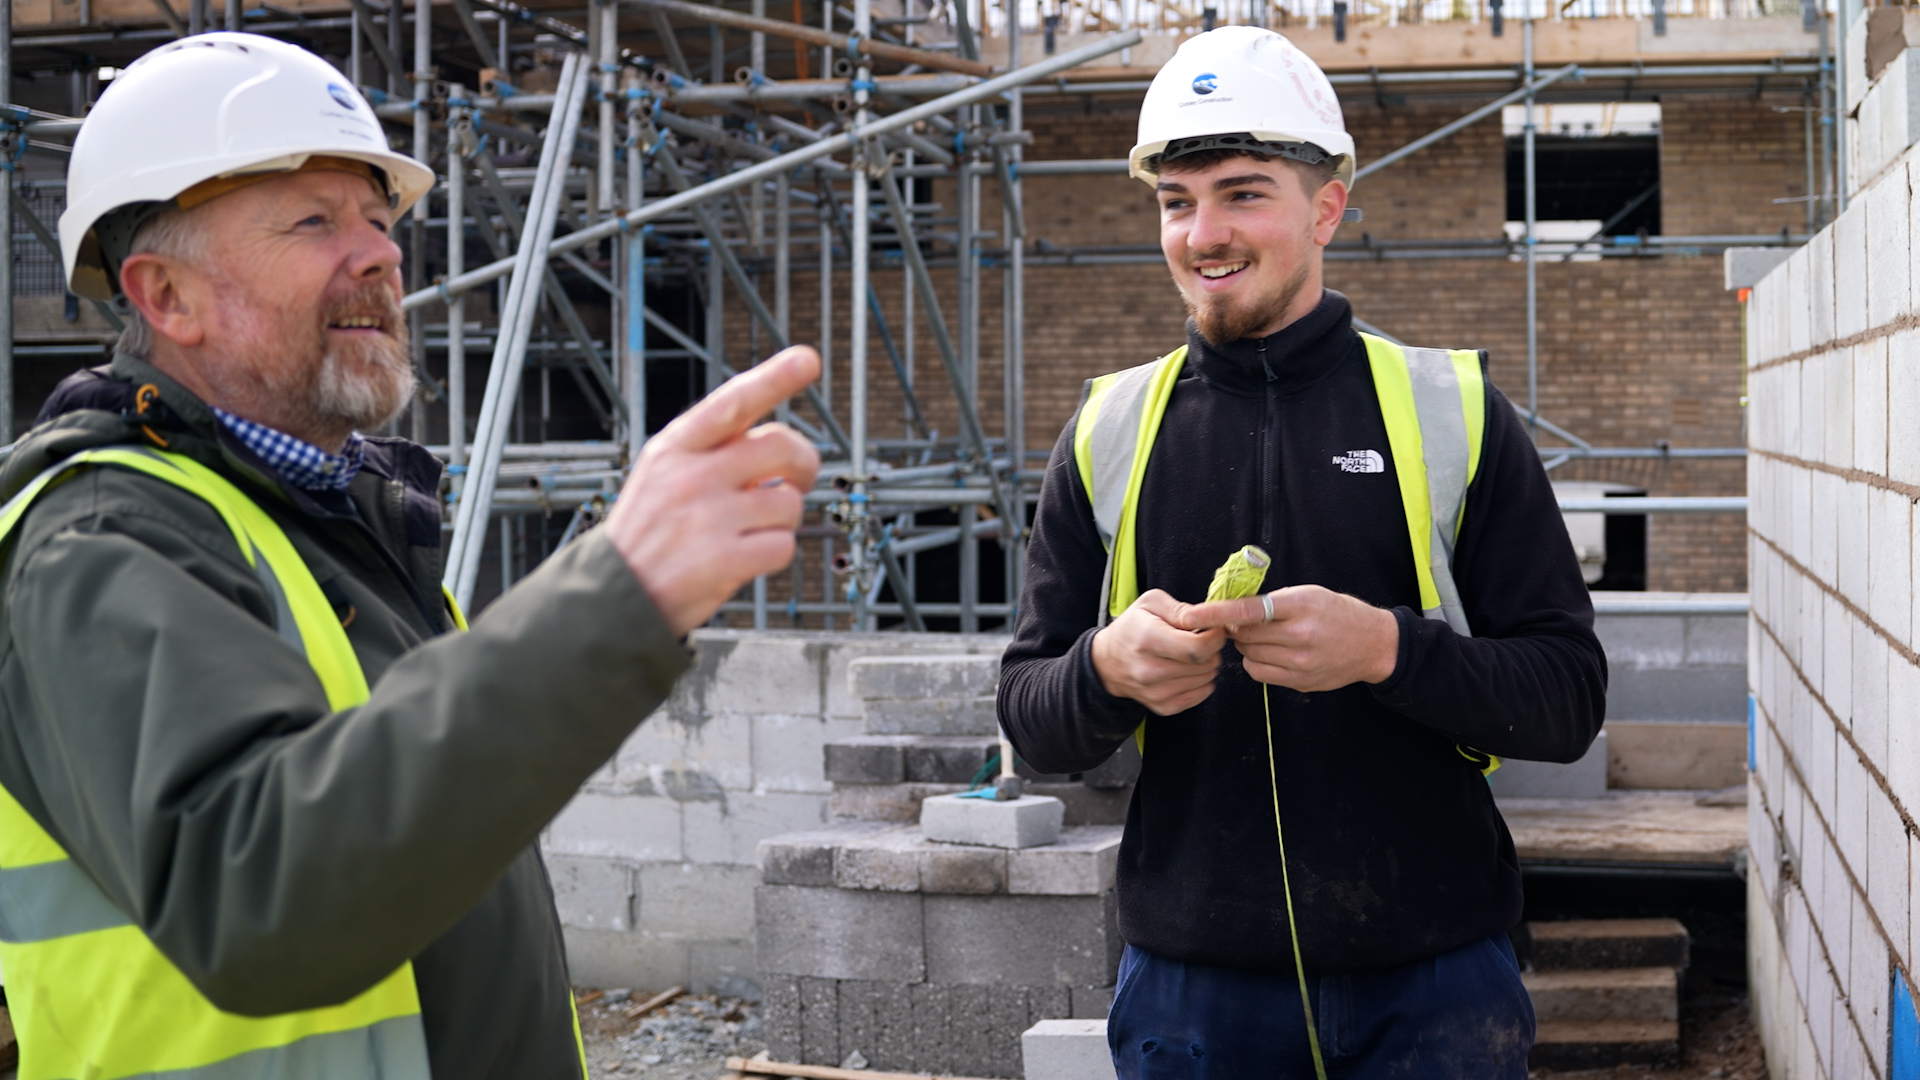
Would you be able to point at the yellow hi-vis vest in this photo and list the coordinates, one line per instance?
(91, 997)
(1435, 407)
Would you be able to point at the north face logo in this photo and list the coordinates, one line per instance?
(1361, 461)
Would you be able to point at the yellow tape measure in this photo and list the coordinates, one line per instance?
(1241, 576)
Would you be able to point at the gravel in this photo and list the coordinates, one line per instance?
(690, 1038)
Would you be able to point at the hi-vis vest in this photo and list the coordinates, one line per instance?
(90, 995)
(1434, 404)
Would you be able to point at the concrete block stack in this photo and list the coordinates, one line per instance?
(924, 955)
(1605, 992)
(1834, 737)
(655, 861)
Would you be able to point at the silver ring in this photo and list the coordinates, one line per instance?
(1266, 606)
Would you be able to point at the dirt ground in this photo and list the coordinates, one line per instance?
(689, 1038)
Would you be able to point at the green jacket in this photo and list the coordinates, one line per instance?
(284, 856)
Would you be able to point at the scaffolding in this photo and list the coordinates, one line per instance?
(622, 204)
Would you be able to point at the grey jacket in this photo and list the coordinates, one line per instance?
(285, 856)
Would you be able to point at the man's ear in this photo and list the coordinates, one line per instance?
(1329, 206)
(154, 284)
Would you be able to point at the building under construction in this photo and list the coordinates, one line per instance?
(638, 198)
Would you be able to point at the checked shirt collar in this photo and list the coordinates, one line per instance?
(301, 464)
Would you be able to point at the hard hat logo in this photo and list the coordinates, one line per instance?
(1205, 84)
(344, 96)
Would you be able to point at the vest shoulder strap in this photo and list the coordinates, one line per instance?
(1434, 404)
(303, 616)
(1113, 437)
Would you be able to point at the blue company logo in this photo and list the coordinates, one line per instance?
(1205, 84)
(344, 96)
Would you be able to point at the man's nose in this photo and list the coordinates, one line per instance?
(375, 254)
(1211, 229)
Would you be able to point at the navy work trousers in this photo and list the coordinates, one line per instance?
(1462, 1015)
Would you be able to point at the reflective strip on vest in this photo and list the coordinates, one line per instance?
(89, 993)
(1434, 403)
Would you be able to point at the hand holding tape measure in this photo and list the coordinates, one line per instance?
(1303, 637)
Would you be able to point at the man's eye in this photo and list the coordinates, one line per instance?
(381, 225)
(316, 219)
(1174, 204)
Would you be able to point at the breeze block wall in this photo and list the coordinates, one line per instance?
(655, 861)
(1833, 369)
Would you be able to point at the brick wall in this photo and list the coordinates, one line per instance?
(1834, 473)
(1631, 351)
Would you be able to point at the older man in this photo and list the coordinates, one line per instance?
(261, 815)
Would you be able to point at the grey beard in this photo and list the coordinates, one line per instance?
(368, 401)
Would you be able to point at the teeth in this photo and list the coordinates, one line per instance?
(1222, 271)
(362, 322)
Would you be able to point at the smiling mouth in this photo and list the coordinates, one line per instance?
(1212, 272)
(358, 322)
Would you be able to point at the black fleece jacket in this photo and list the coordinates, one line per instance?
(1394, 845)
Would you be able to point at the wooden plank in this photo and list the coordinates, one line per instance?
(761, 1066)
(635, 1012)
(1627, 827)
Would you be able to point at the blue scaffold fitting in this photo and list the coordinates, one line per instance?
(503, 89)
(793, 607)
(456, 470)
(609, 69)
(856, 496)
(853, 44)
(868, 85)
(445, 296)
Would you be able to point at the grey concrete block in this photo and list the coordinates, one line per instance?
(1702, 692)
(948, 759)
(1091, 1002)
(725, 968)
(631, 827)
(593, 894)
(609, 958)
(1082, 863)
(806, 858)
(1067, 1050)
(971, 871)
(730, 830)
(786, 750)
(1048, 1003)
(697, 901)
(924, 677)
(876, 1018)
(887, 861)
(768, 672)
(932, 1006)
(1745, 266)
(841, 933)
(1006, 1018)
(884, 802)
(867, 759)
(970, 1030)
(1021, 940)
(820, 1022)
(1583, 779)
(780, 1015)
(1029, 821)
(945, 716)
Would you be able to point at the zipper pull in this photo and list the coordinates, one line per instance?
(1264, 364)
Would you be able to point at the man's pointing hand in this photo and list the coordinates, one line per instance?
(713, 501)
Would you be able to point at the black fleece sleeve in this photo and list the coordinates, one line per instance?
(1051, 703)
(1531, 683)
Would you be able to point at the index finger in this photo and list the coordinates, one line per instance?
(1221, 613)
(727, 412)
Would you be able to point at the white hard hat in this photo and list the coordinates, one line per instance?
(216, 107)
(1241, 87)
